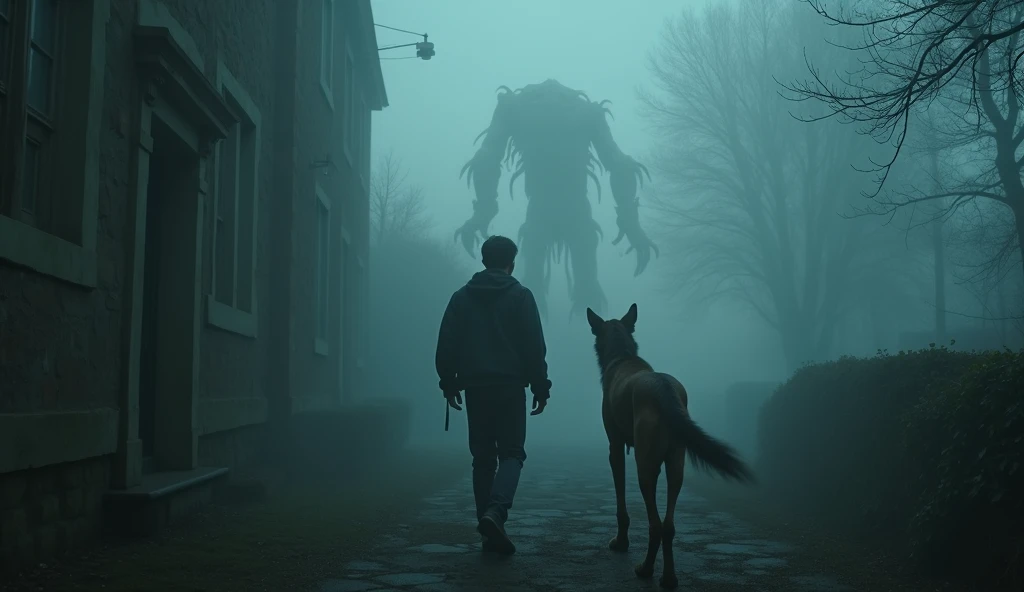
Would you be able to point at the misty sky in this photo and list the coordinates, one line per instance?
(437, 108)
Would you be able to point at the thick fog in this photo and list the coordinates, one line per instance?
(708, 338)
(219, 334)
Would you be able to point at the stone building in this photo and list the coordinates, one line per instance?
(183, 244)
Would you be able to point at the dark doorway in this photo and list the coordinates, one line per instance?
(168, 162)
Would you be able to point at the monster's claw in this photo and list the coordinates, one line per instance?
(618, 239)
(646, 172)
(468, 233)
(643, 247)
(641, 265)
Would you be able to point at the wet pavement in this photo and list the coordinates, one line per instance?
(563, 518)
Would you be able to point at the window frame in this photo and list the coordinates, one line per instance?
(328, 35)
(348, 110)
(322, 284)
(4, 51)
(61, 243)
(347, 316)
(364, 139)
(232, 316)
(29, 123)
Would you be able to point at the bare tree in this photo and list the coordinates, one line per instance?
(750, 197)
(396, 208)
(406, 255)
(974, 241)
(961, 56)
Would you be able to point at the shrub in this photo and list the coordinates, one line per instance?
(970, 485)
(922, 447)
(830, 439)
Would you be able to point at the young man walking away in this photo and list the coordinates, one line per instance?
(491, 345)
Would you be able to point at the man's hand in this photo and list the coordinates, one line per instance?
(538, 405)
(454, 401)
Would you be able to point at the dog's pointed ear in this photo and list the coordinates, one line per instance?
(629, 319)
(595, 321)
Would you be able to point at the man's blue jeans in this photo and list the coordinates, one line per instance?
(497, 437)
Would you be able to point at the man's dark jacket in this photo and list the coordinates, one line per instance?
(491, 336)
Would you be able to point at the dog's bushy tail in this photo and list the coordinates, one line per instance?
(706, 452)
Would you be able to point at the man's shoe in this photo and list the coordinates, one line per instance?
(494, 535)
(488, 546)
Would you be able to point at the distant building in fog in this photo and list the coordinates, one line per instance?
(183, 244)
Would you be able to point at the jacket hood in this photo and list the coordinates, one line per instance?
(490, 283)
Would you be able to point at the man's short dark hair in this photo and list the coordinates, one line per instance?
(498, 252)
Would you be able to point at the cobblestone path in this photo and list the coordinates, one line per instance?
(561, 523)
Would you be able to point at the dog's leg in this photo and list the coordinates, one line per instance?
(617, 459)
(648, 468)
(674, 476)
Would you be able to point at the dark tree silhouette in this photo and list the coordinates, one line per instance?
(749, 198)
(396, 208)
(959, 57)
(413, 275)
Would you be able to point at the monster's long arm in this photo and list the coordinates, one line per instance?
(484, 171)
(624, 173)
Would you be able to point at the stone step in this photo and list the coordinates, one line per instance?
(162, 498)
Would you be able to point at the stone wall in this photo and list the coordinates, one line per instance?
(315, 375)
(60, 351)
(47, 511)
(59, 342)
(238, 448)
(244, 36)
(61, 346)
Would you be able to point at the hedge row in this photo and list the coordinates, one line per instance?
(922, 447)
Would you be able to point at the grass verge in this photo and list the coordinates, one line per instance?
(299, 535)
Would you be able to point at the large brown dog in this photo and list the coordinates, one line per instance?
(647, 410)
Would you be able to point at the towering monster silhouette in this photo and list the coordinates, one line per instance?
(546, 131)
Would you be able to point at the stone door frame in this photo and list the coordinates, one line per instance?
(174, 90)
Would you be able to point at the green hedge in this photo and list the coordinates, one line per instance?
(921, 447)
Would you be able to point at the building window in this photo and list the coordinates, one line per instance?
(349, 315)
(235, 215)
(349, 137)
(51, 111)
(322, 276)
(364, 142)
(5, 36)
(26, 176)
(327, 50)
